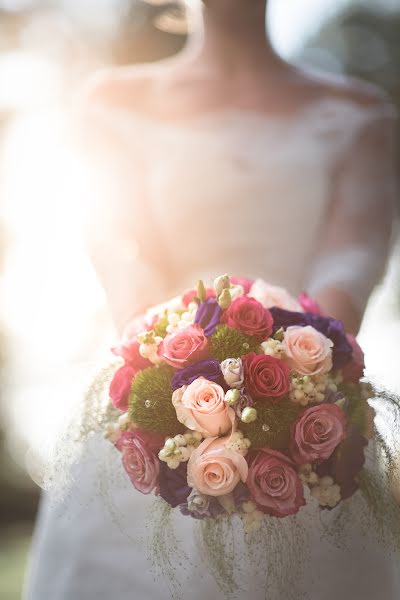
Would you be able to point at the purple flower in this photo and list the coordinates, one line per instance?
(173, 484)
(208, 315)
(333, 397)
(244, 401)
(213, 511)
(332, 328)
(241, 494)
(210, 369)
(346, 463)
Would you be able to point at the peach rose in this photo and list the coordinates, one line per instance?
(272, 295)
(214, 470)
(201, 406)
(183, 346)
(307, 351)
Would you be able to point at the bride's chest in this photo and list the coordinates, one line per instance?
(241, 176)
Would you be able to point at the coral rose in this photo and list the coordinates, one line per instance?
(307, 351)
(308, 304)
(266, 377)
(214, 470)
(272, 295)
(317, 433)
(120, 387)
(245, 282)
(138, 450)
(274, 483)
(249, 316)
(131, 355)
(201, 406)
(183, 346)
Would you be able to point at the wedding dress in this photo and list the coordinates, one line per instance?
(304, 202)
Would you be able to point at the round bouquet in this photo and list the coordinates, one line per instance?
(239, 398)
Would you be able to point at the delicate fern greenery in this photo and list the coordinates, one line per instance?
(272, 426)
(231, 343)
(387, 427)
(150, 401)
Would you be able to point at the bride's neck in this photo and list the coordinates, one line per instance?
(234, 35)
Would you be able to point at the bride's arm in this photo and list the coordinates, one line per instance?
(120, 235)
(356, 241)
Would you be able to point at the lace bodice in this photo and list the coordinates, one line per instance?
(302, 202)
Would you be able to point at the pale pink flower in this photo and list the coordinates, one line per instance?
(201, 407)
(307, 351)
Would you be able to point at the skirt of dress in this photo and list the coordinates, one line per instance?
(105, 540)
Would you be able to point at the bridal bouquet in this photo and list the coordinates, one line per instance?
(240, 399)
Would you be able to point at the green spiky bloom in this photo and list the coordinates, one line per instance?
(272, 426)
(231, 343)
(150, 401)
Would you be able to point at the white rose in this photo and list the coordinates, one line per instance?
(233, 372)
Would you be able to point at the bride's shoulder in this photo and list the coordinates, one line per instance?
(127, 87)
(344, 91)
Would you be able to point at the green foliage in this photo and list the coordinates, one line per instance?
(231, 343)
(278, 418)
(150, 401)
(358, 406)
(160, 328)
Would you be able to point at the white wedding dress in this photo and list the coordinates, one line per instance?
(304, 202)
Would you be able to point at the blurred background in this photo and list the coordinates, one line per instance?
(52, 309)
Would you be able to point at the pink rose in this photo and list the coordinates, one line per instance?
(317, 433)
(309, 305)
(307, 351)
(354, 370)
(214, 470)
(139, 458)
(249, 316)
(271, 295)
(201, 406)
(183, 346)
(190, 295)
(245, 282)
(120, 387)
(130, 353)
(265, 377)
(274, 483)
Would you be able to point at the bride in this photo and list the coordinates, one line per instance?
(224, 159)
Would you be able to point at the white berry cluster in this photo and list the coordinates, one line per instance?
(327, 492)
(113, 429)
(148, 348)
(252, 517)
(308, 476)
(238, 443)
(179, 448)
(323, 489)
(273, 347)
(308, 389)
(179, 320)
